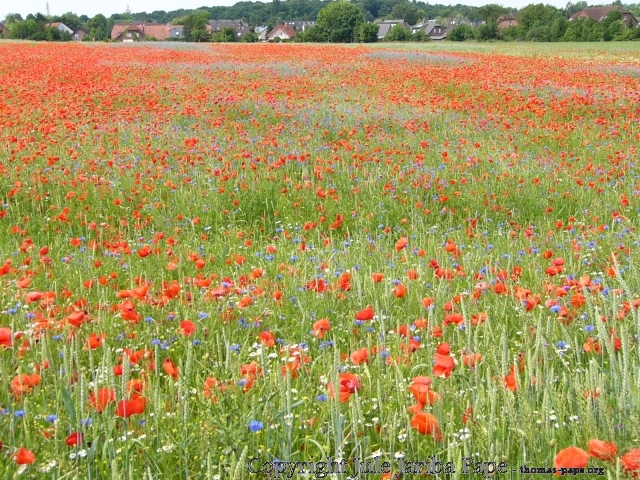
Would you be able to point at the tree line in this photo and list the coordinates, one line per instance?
(545, 23)
(536, 22)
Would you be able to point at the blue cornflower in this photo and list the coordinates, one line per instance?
(255, 426)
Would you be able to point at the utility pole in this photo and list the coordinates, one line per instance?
(48, 13)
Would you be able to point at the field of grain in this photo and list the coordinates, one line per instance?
(217, 258)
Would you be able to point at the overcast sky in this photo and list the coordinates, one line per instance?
(109, 7)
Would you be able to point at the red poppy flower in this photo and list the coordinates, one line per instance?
(510, 381)
(571, 457)
(95, 341)
(211, 385)
(360, 356)
(187, 328)
(320, 327)
(443, 366)
(267, 338)
(6, 338)
(365, 314)
(426, 424)
(631, 462)
(471, 360)
(24, 383)
(377, 277)
(100, 399)
(318, 285)
(250, 372)
(401, 243)
(135, 406)
(603, 450)
(421, 390)
(24, 456)
(74, 439)
(170, 368)
(349, 384)
(400, 290)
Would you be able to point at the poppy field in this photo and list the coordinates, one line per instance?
(211, 254)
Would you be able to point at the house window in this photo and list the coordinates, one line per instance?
(128, 35)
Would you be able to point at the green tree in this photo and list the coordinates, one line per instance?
(461, 33)
(372, 6)
(195, 27)
(536, 15)
(612, 25)
(24, 30)
(12, 18)
(97, 26)
(226, 34)
(368, 33)
(578, 30)
(406, 12)
(558, 27)
(398, 33)
(490, 13)
(70, 19)
(340, 19)
(488, 31)
(179, 20)
(538, 33)
(420, 36)
(317, 34)
(38, 18)
(251, 37)
(572, 8)
(110, 24)
(511, 33)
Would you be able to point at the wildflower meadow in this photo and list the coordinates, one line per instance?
(307, 261)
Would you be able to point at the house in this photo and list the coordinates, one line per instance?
(4, 31)
(130, 33)
(385, 26)
(431, 29)
(454, 22)
(176, 31)
(139, 30)
(506, 21)
(60, 26)
(79, 34)
(262, 32)
(598, 14)
(241, 28)
(283, 32)
(301, 25)
(159, 31)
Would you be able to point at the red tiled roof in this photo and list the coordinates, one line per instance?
(286, 29)
(596, 13)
